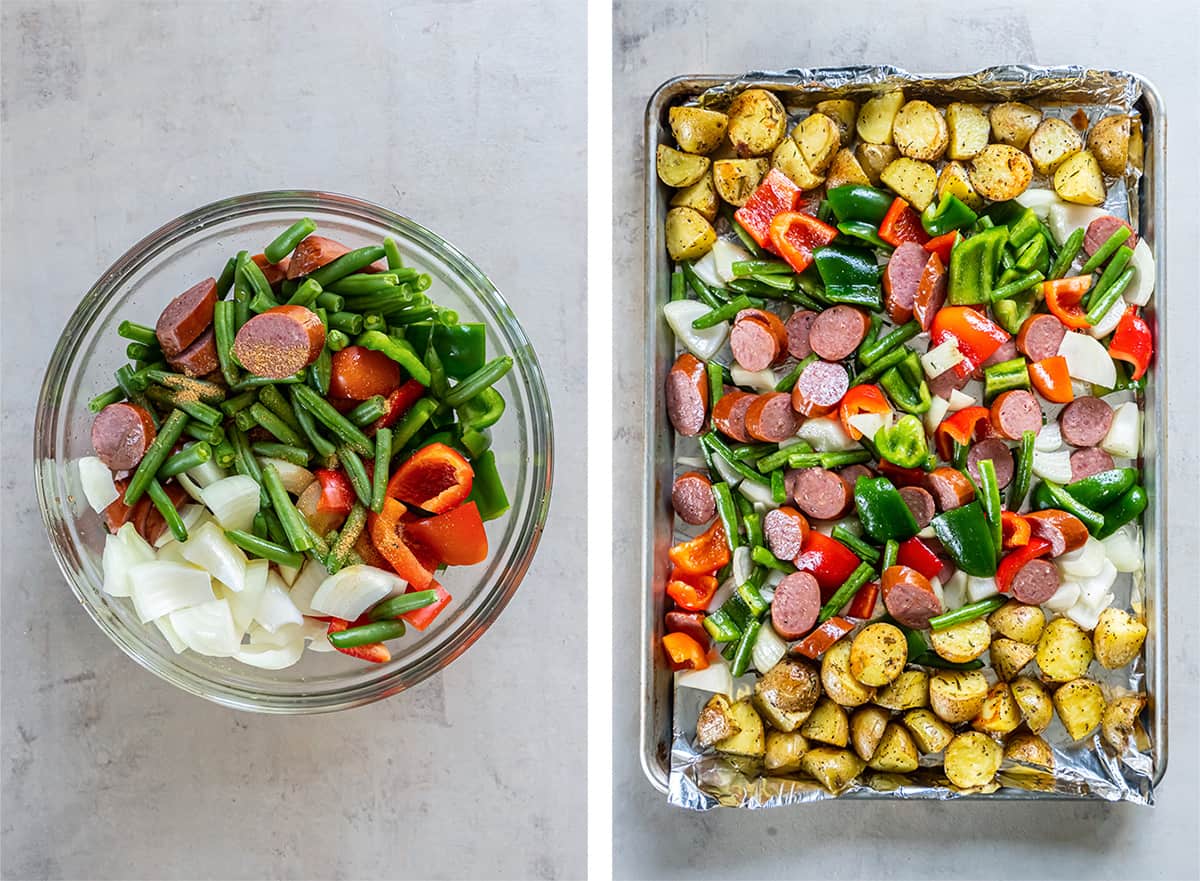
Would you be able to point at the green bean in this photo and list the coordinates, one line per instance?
(383, 457)
(287, 452)
(1105, 299)
(370, 283)
(234, 405)
(258, 526)
(1023, 473)
(751, 452)
(424, 281)
(261, 303)
(1016, 286)
(320, 443)
(778, 488)
(368, 411)
(865, 552)
(969, 612)
(780, 457)
(830, 459)
(727, 512)
(241, 292)
(340, 548)
(128, 382)
(698, 286)
(374, 321)
(209, 392)
(102, 400)
(274, 401)
(212, 435)
(139, 333)
(347, 322)
(367, 634)
(788, 381)
(186, 459)
(166, 507)
(331, 302)
(846, 592)
(407, 602)
(678, 286)
(245, 463)
(245, 420)
(306, 294)
(412, 314)
(294, 525)
(882, 366)
(321, 371)
(276, 426)
(1070, 250)
(989, 497)
(745, 648)
(392, 251)
(225, 279)
(140, 352)
(1107, 249)
(225, 454)
(868, 355)
(726, 312)
(223, 318)
(891, 549)
(324, 412)
(286, 242)
(764, 557)
(405, 355)
(485, 377)
(255, 281)
(718, 447)
(412, 422)
(155, 455)
(357, 472)
(261, 547)
(347, 264)
(274, 530)
(198, 410)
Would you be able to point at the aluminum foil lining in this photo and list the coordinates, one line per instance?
(702, 779)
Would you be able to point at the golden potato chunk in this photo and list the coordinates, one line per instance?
(827, 723)
(715, 722)
(838, 681)
(818, 138)
(877, 115)
(866, 728)
(757, 123)
(1010, 657)
(1034, 703)
(787, 158)
(972, 760)
(1013, 123)
(874, 158)
(920, 132)
(968, 128)
(785, 749)
(736, 179)
(676, 169)
(929, 732)
(697, 130)
(1109, 142)
(1052, 142)
(912, 181)
(833, 768)
(999, 714)
(1120, 720)
(908, 690)
(957, 695)
(1030, 749)
(786, 694)
(749, 739)
(1000, 172)
(689, 235)
(701, 197)
(1063, 651)
(1080, 706)
(1079, 180)
(843, 111)
(962, 642)
(1118, 638)
(954, 180)
(1018, 621)
(878, 654)
(896, 752)
(845, 169)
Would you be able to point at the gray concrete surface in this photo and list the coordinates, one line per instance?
(655, 41)
(118, 116)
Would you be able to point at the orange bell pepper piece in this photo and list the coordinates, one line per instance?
(684, 652)
(796, 235)
(375, 652)
(1015, 530)
(861, 399)
(902, 224)
(435, 478)
(977, 336)
(457, 537)
(387, 535)
(943, 245)
(691, 592)
(961, 427)
(1052, 380)
(1063, 297)
(704, 554)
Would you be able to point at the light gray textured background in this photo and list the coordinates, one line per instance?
(654, 41)
(466, 116)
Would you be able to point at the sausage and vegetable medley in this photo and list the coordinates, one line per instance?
(909, 381)
(324, 358)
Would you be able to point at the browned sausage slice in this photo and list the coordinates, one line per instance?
(1064, 531)
(770, 418)
(785, 530)
(692, 498)
(1006, 352)
(313, 253)
(945, 384)
(1099, 231)
(838, 331)
(1015, 412)
(820, 388)
(772, 322)
(1002, 460)
(901, 278)
(281, 341)
(950, 488)
(931, 292)
(120, 435)
(186, 316)
(851, 473)
(690, 623)
(1036, 582)
(729, 414)
(687, 395)
(819, 493)
(274, 273)
(1085, 421)
(796, 604)
(920, 502)
(200, 358)
(753, 344)
(1089, 461)
(799, 325)
(1040, 336)
(909, 596)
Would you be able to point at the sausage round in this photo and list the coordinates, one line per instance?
(729, 415)
(313, 253)
(1089, 461)
(1101, 228)
(1001, 457)
(1040, 336)
(186, 317)
(931, 292)
(687, 395)
(1085, 421)
(274, 273)
(920, 502)
(1035, 582)
(692, 498)
(796, 604)
(949, 487)
(772, 322)
(820, 388)
(784, 530)
(838, 331)
(1006, 352)
(819, 493)
(901, 278)
(909, 596)
(200, 358)
(945, 384)
(851, 473)
(798, 327)
(281, 341)
(753, 344)
(770, 418)
(1064, 531)
(690, 623)
(1015, 412)
(121, 434)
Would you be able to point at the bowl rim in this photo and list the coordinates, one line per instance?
(501, 320)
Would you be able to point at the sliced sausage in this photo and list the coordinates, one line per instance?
(120, 435)
(851, 473)
(729, 414)
(772, 321)
(945, 384)
(691, 623)
(820, 388)
(920, 502)
(1100, 229)
(692, 498)
(1064, 531)
(1006, 352)
(753, 345)
(1015, 412)
(909, 596)
(1085, 421)
(798, 327)
(1035, 582)
(1040, 336)
(838, 331)
(186, 317)
(282, 341)
(313, 253)
(687, 395)
(200, 358)
(901, 278)
(796, 604)
(931, 292)
(770, 418)
(1002, 460)
(949, 487)
(274, 273)
(784, 530)
(1089, 461)
(819, 493)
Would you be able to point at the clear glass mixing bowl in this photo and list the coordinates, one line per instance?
(137, 287)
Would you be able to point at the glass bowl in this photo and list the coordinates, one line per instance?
(137, 287)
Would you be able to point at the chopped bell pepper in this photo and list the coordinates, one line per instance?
(1034, 256)
(906, 396)
(853, 202)
(1023, 227)
(1052, 496)
(1052, 379)
(904, 443)
(973, 264)
(435, 478)
(387, 534)
(901, 475)
(902, 224)
(863, 604)
(948, 215)
(863, 231)
(1063, 298)
(966, 536)
(943, 245)
(684, 652)
(1011, 564)
(961, 427)
(704, 554)
(398, 403)
(1004, 377)
(775, 195)
(977, 337)
(423, 617)
(375, 652)
(1124, 509)
(690, 591)
(850, 274)
(457, 536)
(337, 493)
(1012, 312)
(795, 235)
(462, 348)
(1102, 489)
(1014, 530)
(883, 512)
(861, 399)
(1132, 342)
(915, 554)
(829, 561)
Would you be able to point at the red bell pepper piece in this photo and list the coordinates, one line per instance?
(375, 652)
(1052, 379)
(1011, 564)
(968, 424)
(387, 534)
(820, 640)
(423, 617)
(863, 604)
(915, 554)
(456, 537)
(1014, 529)
(1063, 297)
(1133, 342)
(398, 403)
(829, 561)
(899, 475)
(435, 478)
(337, 493)
(861, 399)
(796, 235)
(902, 224)
(775, 195)
(690, 591)
(942, 245)
(704, 554)
(976, 335)
(684, 652)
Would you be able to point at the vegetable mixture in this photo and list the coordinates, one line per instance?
(296, 463)
(912, 388)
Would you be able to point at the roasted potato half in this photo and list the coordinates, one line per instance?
(1000, 714)
(962, 642)
(1013, 123)
(1063, 651)
(907, 691)
(697, 130)
(1018, 621)
(972, 760)
(878, 654)
(1079, 179)
(929, 732)
(715, 722)
(757, 123)
(953, 179)
(1010, 657)
(787, 158)
(749, 739)
(701, 197)
(833, 768)
(818, 138)
(689, 234)
(874, 158)
(1000, 172)
(1109, 142)
(1034, 703)
(1120, 720)
(920, 132)
(785, 749)
(968, 128)
(1080, 706)
(896, 752)
(787, 693)
(843, 111)
(827, 723)
(957, 695)
(844, 169)
(736, 179)
(1030, 749)
(877, 116)
(678, 169)
(1118, 638)
(912, 181)
(866, 727)
(1137, 146)
(839, 683)
(1051, 142)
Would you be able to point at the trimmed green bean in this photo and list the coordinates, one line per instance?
(718, 447)
(261, 547)
(357, 472)
(778, 488)
(365, 283)
(306, 294)
(891, 550)
(335, 340)
(186, 459)
(209, 392)
(273, 400)
(780, 457)
(210, 434)
(294, 525)
(727, 512)
(198, 410)
(989, 497)
(241, 292)
(485, 377)
(324, 412)
(258, 526)
(881, 366)
(392, 252)
(726, 312)
(340, 547)
(1070, 250)
(347, 322)
(745, 648)
(846, 592)
(166, 507)
(287, 452)
(1024, 471)
(367, 634)
(323, 446)
(412, 422)
(233, 406)
(864, 551)
(383, 458)
(716, 383)
(225, 279)
(331, 302)
(969, 612)
(348, 264)
(276, 426)
(1107, 249)
(870, 354)
(261, 303)
(225, 454)
(1105, 299)
(374, 321)
(139, 333)
(155, 455)
(407, 602)
(286, 242)
(102, 400)
(1016, 286)
(788, 381)
(223, 318)
(698, 286)
(141, 352)
(260, 288)
(764, 557)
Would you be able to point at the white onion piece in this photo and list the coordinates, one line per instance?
(743, 566)
(122, 552)
(276, 608)
(1123, 548)
(208, 629)
(826, 435)
(160, 588)
(954, 591)
(938, 591)
(706, 269)
(1040, 200)
(209, 549)
(1088, 360)
(980, 588)
(927, 532)
(172, 552)
(193, 516)
(1049, 438)
(97, 483)
(702, 343)
(960, 400)
(312, 576)
(869, 424)
(1064, 218)
(1095, 586)
(178, 646)
(724, 254)
(1109, 320)
(259, 635)
(1054, 467)
(726, 471)
(269, 657)
(723, 592)
(288, 574)
(774, 576)
(316, 632)
(233, 501)
(938, 408)
(295, 478)
(207, 473)
(1087, 615)
(759, 380)
(691, 462)
(355, 589)
(716, 678)
(1064, 598)
(1124, 435)
(244, 603)
(1083, 562)
(1141, 288)
(768, 649)
(758, 493)
(941, 358)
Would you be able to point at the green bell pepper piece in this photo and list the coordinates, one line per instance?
(1052, 495)
(1011, 313)
(1005, 376)
(1124, 509)
(850, 274)
(973, 264)
(903, 394)
(1034, 256)
(882, 510)
(950, 213)
(487, 491)
(1019, 488)
(855, 202)
(860, 229)
(462, 347)
(1003, 213)
(1023, 228)
(1103, 489)
(904, 443)
(482, 411)
(965, 534)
